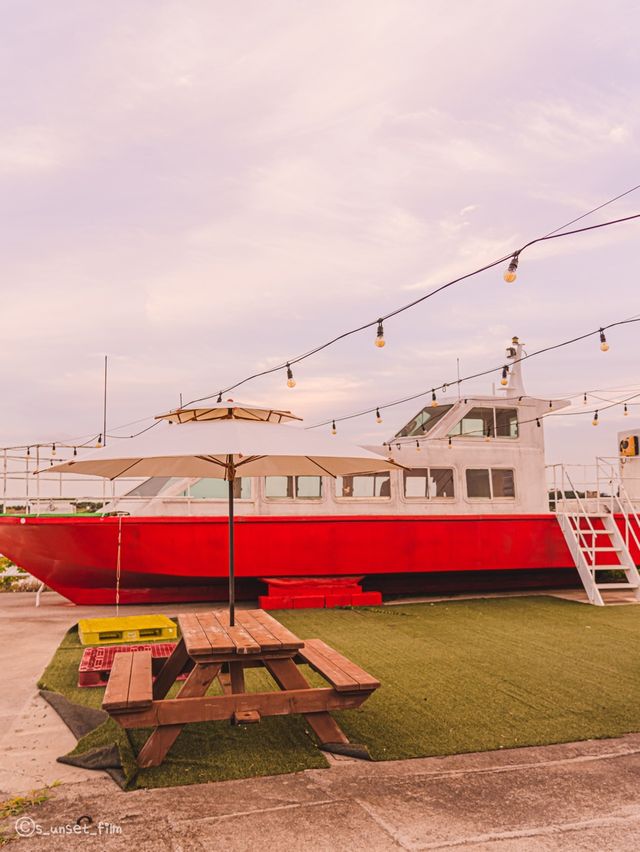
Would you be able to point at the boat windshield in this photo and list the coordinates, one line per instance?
(424, 421)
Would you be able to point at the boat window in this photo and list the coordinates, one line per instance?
(424, 421)
(290, 487)
(476, 423)
(429, 483)
(218, 489)
(480, 422)
(502, 484)
(506, 423)
(488, 484)
(364, 485)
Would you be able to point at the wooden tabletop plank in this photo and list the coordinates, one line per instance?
(116, 695)
(217, 635)
(240, 636)
(141, 682)
(195, 638)
(288, 639)
(262, 635)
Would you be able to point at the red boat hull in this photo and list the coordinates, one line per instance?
(167, 559)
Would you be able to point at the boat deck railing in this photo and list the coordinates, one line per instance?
(595, 488)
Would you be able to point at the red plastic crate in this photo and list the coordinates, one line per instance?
(338, 600)
(96, 663)
(308, 602)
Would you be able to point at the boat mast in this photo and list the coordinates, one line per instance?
(515, 353)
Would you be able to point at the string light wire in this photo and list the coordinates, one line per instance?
(477, 375)
(377, 322)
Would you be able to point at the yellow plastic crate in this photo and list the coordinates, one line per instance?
(126, 628)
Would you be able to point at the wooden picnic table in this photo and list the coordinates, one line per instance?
(218, 650)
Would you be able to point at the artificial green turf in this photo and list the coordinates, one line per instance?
(456, 676)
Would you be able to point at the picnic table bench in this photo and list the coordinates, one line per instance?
(220, 651)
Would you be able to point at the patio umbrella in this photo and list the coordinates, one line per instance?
(224, 441)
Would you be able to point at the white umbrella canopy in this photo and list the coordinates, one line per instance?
(210, 448)
(224, 441)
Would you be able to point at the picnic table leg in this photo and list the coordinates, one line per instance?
(170, 670)
(160, 741)
(288, 676)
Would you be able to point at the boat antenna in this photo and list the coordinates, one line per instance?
(104, 405)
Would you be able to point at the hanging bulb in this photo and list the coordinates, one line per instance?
(398, 447)
(50, 462)
(488, 435)
(378, 418)
(626, 410)
(450, 445)
(291, 382)
(418, 446)
(99, 441)
(28, 451)
(219, 399)
(53, 449)
(594, 422)
(603, 341)
(380, 341)
(538, 422)
(434, 401)
(584, 399)
(510, 275)
(334, 431)
(75, 451)
(504, 380)
(550, 404)
(423, 428)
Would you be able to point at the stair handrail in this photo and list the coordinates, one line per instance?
(580, 534)
(623, 502)
(629, 528)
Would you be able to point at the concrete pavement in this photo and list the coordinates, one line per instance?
(579, 796)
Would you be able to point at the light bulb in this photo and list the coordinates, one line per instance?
(75, 451)
(291, 382)
(584, 399)
(378, 418)
(595, 421)
(626, 410)
(334, 431)
(504, 380)
(538, 422)
(219, 399)
(99, 441)
(434, 401)
(418, 446)
(380, 341)
(604, 346)
(450, 445)
(510, 275)
(53, 449)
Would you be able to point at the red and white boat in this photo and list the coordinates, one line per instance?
(471, 510)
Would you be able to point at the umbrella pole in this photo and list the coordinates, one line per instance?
(232, 585)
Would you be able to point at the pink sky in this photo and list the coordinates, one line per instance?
(201, 189)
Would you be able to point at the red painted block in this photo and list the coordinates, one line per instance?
(338, 600)
(308, 602)
(367, 599)
(275, 602)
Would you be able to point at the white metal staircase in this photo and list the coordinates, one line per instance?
(599, 530)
